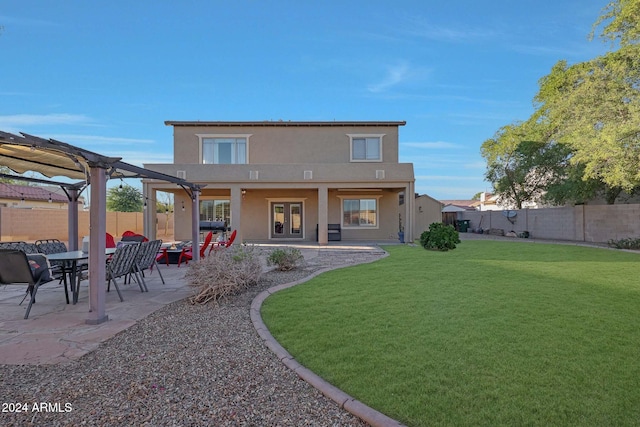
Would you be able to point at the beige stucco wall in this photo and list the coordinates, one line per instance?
(290, 162)
(256, 212)
(281, 145)
(428, 211)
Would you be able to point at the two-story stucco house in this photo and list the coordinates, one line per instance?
(287, 181)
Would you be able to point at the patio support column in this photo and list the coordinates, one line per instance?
(236, 209)
(97, 245)
(195, 225)
(323, 214)
(149, 214)
(72, 220)
(410, 206)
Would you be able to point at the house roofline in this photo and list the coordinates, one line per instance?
(280, 123)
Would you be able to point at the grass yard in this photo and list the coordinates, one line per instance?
(492, 333)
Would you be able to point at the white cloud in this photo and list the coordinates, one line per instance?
(429, 145)
(448, 178)
(476, 165)
(100, 140)
(16, 120)
(395, 75)
(30, 22)
(139, 158)
(420, 27)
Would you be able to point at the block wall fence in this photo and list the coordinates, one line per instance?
(33, 224)
(583, 223)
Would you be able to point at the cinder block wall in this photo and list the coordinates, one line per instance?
(34, 224)
(588, 223)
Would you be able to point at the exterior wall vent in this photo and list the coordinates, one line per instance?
(380, 174)
(308, 174)
(254, 175)
(181, 174)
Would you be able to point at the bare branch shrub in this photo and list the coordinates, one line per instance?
(224, 272)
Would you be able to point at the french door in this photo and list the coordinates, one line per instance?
(286, 220)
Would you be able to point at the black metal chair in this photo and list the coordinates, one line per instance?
(55, 246)
(121, 264)
(146, 260)
(15, 270)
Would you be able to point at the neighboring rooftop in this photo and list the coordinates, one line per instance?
(467, 204)
(31, 192)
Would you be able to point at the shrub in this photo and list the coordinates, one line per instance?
(628, 243)
(439, 236)
(285, 258)
(224, 272)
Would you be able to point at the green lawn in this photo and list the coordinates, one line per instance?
(492, 333)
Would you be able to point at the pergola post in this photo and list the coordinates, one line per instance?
(195, 226)
(149, 215)
(72, 219)
(97, 245)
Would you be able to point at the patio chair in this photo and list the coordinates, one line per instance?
(111, 242)
(146, 259)
(224, 243)
(130, 236)
(15, 269)
(187, 253)
(55, 246)
(163, 256)
(121, 264)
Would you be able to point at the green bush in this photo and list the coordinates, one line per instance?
(285, 258)
(439, 236)
(628, 243)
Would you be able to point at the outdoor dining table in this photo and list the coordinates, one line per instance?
(73, 257)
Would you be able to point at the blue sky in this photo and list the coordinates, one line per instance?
(105, 75)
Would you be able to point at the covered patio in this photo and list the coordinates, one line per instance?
(50, 158)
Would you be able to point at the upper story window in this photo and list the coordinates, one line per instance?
(366, 148)
(224, 149)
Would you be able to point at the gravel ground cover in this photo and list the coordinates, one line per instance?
(183, 365)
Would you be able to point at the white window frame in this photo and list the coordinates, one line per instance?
(202, 137)
(360, 197)
(215, 199)
(379, 136)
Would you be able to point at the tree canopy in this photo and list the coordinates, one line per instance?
(124, 199)
(621, 20)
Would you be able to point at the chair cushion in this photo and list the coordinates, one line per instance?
(40, 267)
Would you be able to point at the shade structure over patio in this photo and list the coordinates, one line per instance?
(51, 158)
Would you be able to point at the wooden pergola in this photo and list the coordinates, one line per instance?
(51, 158)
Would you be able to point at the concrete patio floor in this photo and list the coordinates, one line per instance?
(56, 332)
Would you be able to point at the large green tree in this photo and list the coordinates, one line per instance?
(125, 199)
(522, 163)
(589, 113)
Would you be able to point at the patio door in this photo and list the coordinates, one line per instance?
(286, 220)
